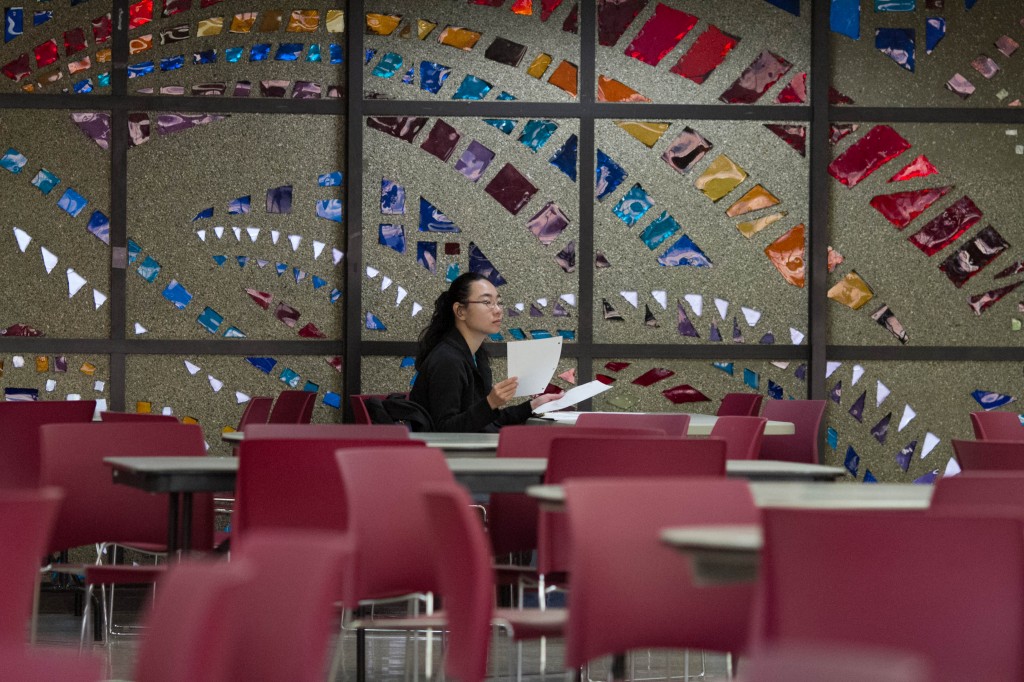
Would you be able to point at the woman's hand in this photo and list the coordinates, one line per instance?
(545, 398)
(502, 392)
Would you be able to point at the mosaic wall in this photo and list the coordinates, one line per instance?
(443, 196)
(212, 389)
(235, 225)
(55, 377)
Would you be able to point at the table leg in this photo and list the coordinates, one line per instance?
(172, 524)
(186, 522)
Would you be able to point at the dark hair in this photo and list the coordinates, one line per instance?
(443, 319)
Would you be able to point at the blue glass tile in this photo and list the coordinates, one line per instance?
(407, 361)
(233, 55)
(281, 268)
(332, 399)
(370, 53)
(335, 179)
(432, 220)
(567, 334)
(565, 158)
(99, 226)
(72, 202)
(452, 273)
(751, 379)
(895, 5)
(852, 461)
(265, 365)
(609, 175)
(906, 455)
(634, 205)
(409, 76)
(791, 6)
(897, 44)
(726, 367)
(177, 294)
(472, 88)
(426, 255)
(433, 76)
(990, 400)
(205, 57)
(310, 387)
(497, 338)
(329, 209)
(767, 339)
(392, 236)
(537, 133)
(298, 275)
(210, 320)
(40, 17)
(373, 322)
(934, 32)
(133, 251)
(242, 261)
(139, 70)
(233, 333)
(172, 63)
(45, 181)
(774, 390)
(517, 334)
(480, 264)
(14, 23)
(103, 80)
(505, 125)
(290, 377)
(540, 334)
(337, 53)
(13, 160)
(240, 206)
(392, 197)
(844, 18)
(288, 52)
(83, 86)
(149, 269)
(220, 260)
(832, 436)
(663, 227)
(869, 477)
(279, 199)
(684, 252)
(335, 295)
(313, 53)
(388, 65)
(257, 53)
(318, 282)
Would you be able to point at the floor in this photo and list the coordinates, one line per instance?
(389, 653)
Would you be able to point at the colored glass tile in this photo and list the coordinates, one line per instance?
(633, 206)
(547, 7)
(172, 63)
(433, 220)
(852, 291)
(1014, 269)
(45, 181)
(985, 65)
(946, 228)
(506, 52)
(788, 254)
(271, 21)
(452, 248)
(480, 264)
(536, 134)
(474, 161)
(14, 23)
(897, 44)
(242, 22)
(388, 66)
(289, 377)
(982, 302)
(548, 223)
(844, 18)
(149, 269)
(313, 54)
(684, 252)
(539, 65)
(17, 69)
(614, 17)
(40, 17)
(260, 52)
(279, 199)
(460, 38)
(653, 376)
(335, 21)
(895, 5)
(505, 125)
(934, 32)
(795, 91)
(720, 177)
(511, 189)
(337, 55)
(426, 255)
(289, 52)
(648, 132)
(749, 229)
(918, 168)
(177, 34)
(329, 209)
(72, 202)
(609, 175)
(140, 13)
(210, 320)
(660, 229)
(522, 7)
(684, 393)
(792, 134)
(172, 7)
(971, 258)
(1007, 45)
(392, 197)
(303, 21)
(686, 150)
(901, 208)
(991, 400)
(287, 314)
(685, 326)
(705, 55)
(565, 158)
(102, 27)
(177, 294)
(403, 127)
(756, 79)
(441, 141)
(880, 145)
(382, 24)
(565, 78)
(566, 258)
(960, 86)
(754, 200)
(46, 53)
(433, 76)
(611, 90)
(472, 88)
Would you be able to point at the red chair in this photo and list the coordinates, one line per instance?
(292, 407)
(981, 490)
(835, 663)
(997, 426)
(672, 423)
(136, 417)
(739, 405)
(629, 590)
(26, 521)
(955, 598)
(38, 664)
(328, 431)
(743, 436)
(358, 403)
(802, 446)
(989, 455)
(462, 562)
(256, 411)
(19, 435)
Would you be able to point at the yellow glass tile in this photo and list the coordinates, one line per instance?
(304, 21)
(424, 27)
(143, 407)
(335, 21)
(461, 38)
(523, 7)
(103, 56)
(382, 24)
(749, 229)
(539, 65)
(788, 253)
(28, 87)
(720, 178)
(564, 77)
(226, 429)
(852, 291)
(648, 132)
(757, 198)
(83, 64)
(271, 20)
(189, 420)
(139, 44)
(611, 90)
(42, 363)
(87, 368)
(242, 23)
(406, 32)
(210, 27)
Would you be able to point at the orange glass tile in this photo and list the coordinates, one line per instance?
(103, 56)
(211, 26)
(720, 178)
(304, 21)
(226, 429)
(271, 21)
(757, 198)
(749, 229)
(189, 420)
(424, 27)
(87, 368)
(564, 77)
(835, 259)
(787, 254)
(539, 65)
(406, 32)
(382, 24)
(83, 64)
(852, 291)
(523, 7)
(242, 23)
(611, 90)
(42, 363)
(143, 407)
(28, 87)
(50, 77)
(648, 132)
(335, 21)
(461, 38)
(139, 44)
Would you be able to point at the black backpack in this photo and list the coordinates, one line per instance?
(397, 409)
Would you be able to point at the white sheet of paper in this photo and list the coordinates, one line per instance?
(534, 363)
(574, 395)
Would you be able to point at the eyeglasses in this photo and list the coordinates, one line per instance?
(492, 305)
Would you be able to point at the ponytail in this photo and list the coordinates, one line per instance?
(443, 319)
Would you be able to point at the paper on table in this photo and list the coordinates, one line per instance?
(573, 396)
(534, 363)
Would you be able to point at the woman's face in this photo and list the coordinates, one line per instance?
(482, 311)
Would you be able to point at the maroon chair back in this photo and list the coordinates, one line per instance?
(256, 411)
(979, 490)
(964, 571)
(743, 436)
(46, 664)
(137, 417)
(836, 663)
(358, 403)
(997, 426)
(617, 457)
(630, 590)
(26, 521)
(19, 435)
(328, 431)
(802, 446)
(739, 405)
(989, 455)
(292, 407)
(672, 423)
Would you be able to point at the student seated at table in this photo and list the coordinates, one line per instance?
(454, 375)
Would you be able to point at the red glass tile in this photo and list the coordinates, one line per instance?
(684, 393)
(511, 189)
(795, 91)
(547, 7)
(901, 208)
(838, 131)
(920, 167)
(572, 21)
(836, 97)
(46, 53)
(660, 34)
(972, 258)
(614, 17)
(261, 298)
(982, 302)
(452, 248)
(523, 7)
(653, 376)
(74, 41)
(1016, 268)
(945, 229)
(140, 13)
(287, 314)
(616, 366)
(487, 3)
(172, 7)
(101, 29)
(441, 141)
(706, 53)
(605, 379)
(337, 363)
(756, 79)
(209, 3)
(868, 154)
(402, 127)
(310, 331)
(793, 135)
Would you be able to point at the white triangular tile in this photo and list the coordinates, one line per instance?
(696, 302)
(569, 299)
(372, 272)
(402, 293)
(215, 383)
(139, 329)
(631, 297)
(930, 441)
(23, 238)
(385, 282)
(295, 240)
(192, 369)
(416, 308)
(882, 392)
(952, 468)
(542, 302)
(661, 297)
(219, 232)
(75, 283)
(49, 259)
(858, 372)
(238, 233)
(796, 336)
(338, 255)
(254, 233)
(751, 316)
(274, 236)
(908, 416)
(318, 248)
(241, 398)
(831, 367)
(723, 307)
(98, 299)
(201, 234)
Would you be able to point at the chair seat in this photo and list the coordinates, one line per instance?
(123, 573)
(532, 623)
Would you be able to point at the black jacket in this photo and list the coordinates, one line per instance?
(453, 389)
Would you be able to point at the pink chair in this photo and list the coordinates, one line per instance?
(39, 664)
(462, 562)
(835, 663)
(997, 426)
(358, 403)
(672, 423)
(256, 411)
(989, 455)
(739, 405)
(136, 417)
(802, 446)
(19, 435)
(743, 436)
(979, 490)
(956, 598)
(26, 521)
(328, 431)
(631, 591)
(292, 407)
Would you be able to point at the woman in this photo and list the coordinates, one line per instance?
(454, 379)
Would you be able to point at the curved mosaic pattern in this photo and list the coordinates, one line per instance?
(55, 377)
(443, 196)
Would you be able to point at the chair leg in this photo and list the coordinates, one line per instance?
(542, 601)
(618, 671)
(360, 655)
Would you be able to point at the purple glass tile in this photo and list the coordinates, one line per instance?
(441, 141)
(879, 146)
(881, 430)
(684, 252)
(982, 302)
(969, 260)
(660, 34)
(175, 123)
(649, 319)
(242, 89)
(906, 455)
(480, 264)
(985, 65)
(714, 334)
(767, 339)
(601, 261)
(946, 228)
(549, 222)
(614, 17)
(959, 85)
(403, 127)
(836, 393)
(756, 79)
(737, 335)
(138, 128)
(792, 134)
(566, 258)
(535, 311)
(685, 326)
(279, 199)
(686, 150)
(511, 189)
(885, 317)
(94, 124)
(474, 161)
(306, 90)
